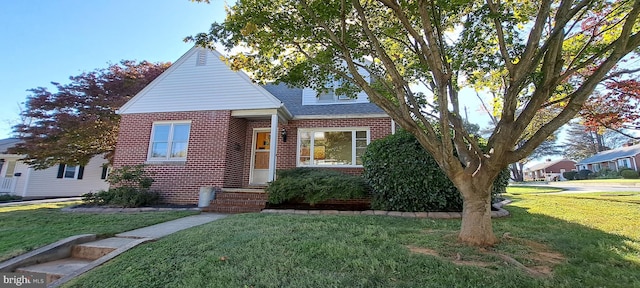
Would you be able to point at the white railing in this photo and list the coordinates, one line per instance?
(7, 185)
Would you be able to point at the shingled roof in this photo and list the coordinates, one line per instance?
(613, 154)
(546, 164)
(5, 144)
(292, 99)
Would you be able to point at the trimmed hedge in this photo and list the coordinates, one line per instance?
(313, 185)
(629, 174)
(570, 175)
(584, 174)
(405, 177)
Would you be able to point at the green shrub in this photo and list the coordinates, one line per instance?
(570, 175)
(8, 198)
(313, 185)
(131, 189)
(404, 177)
(606, 173)
(584, 174)
(629, 174)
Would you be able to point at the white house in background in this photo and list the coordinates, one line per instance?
(19, 179)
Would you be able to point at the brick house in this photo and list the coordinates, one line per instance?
(200, 124)
(549, 170)
(627, 156)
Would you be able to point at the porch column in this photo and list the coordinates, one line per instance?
(274, 146)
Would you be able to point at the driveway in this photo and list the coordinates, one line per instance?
(572, 187)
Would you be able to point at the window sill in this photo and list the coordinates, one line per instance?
(166, 162)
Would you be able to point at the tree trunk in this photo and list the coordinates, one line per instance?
(476, 227)
(516, 172)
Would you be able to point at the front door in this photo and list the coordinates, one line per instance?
(260, 158)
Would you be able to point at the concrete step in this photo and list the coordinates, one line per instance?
(244, 190)
(96, 249)
(56, 269)
(233, 209)
(238, 202)
(241, 196)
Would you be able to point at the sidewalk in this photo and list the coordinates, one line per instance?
(30, 202)
(166, 228)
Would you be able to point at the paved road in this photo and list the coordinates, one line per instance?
(587, 188)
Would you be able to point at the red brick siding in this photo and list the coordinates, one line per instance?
(636, 162)
(566, 165)
(286, 154)
(236, 151)
(206, 159)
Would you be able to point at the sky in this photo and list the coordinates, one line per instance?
(47, 41)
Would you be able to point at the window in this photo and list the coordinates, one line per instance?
(169, 141)
(70, 172)
(596, 167)
(11, 168)
(330, 95)
(624, 163)
(332, 147)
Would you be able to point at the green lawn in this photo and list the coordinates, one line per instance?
(524, 189)
(549, 241)
(27, 227)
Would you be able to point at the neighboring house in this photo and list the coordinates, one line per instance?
(549, 170)
(627, 156)
(200, 124)
(19, 179)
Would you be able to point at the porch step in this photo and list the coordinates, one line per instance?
(56, 269)
(237, 202)
(97, 249)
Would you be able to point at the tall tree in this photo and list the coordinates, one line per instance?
(79, 121)
(583, 142)
(387, 47)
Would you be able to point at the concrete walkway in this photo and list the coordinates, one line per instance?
(166, 228)
(31, 202)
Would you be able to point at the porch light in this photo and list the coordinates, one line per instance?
(284, 135)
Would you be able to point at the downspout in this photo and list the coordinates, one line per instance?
(393, 127)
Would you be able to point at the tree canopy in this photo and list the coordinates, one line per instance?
(534, 56)
(79, 121)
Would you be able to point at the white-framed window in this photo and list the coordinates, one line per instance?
(330, 95)
(596, 167)
(169, 141)
(332, 146)
(70, 172)
(624, 163)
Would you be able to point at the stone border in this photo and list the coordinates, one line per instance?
(123, 210)
(432, 215)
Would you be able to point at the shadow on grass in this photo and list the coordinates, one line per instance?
(276, 250)
(594, 258)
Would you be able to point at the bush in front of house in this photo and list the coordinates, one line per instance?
(629, 174)
(313, 185)
(570, 175)
(405, 177)
(130, 188)
(8, 198)
(584, 174)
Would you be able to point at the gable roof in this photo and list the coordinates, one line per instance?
(5, 144)
(200, 80)
(547, 164)
(612, 154)
(292, 99)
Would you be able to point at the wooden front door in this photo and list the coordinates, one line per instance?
(260, 158)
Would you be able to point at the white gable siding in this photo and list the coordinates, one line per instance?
(43, 183)
(194, 84)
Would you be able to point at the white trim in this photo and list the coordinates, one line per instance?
(393, 127)
(342, 116)
(331, 129)
(273, 147)
(75, 173)
(169, 141)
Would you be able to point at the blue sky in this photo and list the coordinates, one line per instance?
(47, 41)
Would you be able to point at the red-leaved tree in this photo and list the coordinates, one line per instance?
(79, 121)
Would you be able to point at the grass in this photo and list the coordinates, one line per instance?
(519, 190)
(608, 181)
(549, 241)
(27, 227)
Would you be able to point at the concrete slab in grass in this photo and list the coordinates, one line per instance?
(166, 228)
